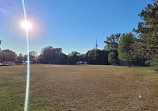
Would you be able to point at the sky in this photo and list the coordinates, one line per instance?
(73, 25)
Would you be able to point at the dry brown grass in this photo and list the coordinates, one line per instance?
(80, 88)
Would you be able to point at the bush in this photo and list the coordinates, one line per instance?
(147, 62)
(113, 58)
(154, 63)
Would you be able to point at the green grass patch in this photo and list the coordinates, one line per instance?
(141, 71)
(10, 99)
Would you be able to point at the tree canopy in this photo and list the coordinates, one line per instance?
(125, 49)
(148, 30)
(50, 55)
(7, 56)
(112, 42)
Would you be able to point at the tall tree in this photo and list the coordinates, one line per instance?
(74, 57)
(97, 56)
(113, 57)
(148, 34)
(112, 42)
(33, 56)
(125, 49)
(50, 55)
(148, 31)
(20, 58)
(7, 56)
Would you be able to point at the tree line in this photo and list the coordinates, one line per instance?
(127, 49)
(50, 55)
(121, 49)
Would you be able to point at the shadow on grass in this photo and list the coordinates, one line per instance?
(5, 65)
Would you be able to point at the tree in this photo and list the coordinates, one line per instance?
(20, 58)
(33, 56)
(148, 31)
(82, 57)
(112, 42)
(50, 55)
(125, 49)
(7, 56)
(73, 57)
(139, 58)
(97, 56)
(154, 63)
(91, 56)
(113, 57)
(47, 55)
(63, 59)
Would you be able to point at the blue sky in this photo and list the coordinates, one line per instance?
(73, 25)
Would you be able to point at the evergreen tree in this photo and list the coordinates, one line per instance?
(148, 31)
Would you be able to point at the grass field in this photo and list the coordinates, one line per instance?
(79, 88)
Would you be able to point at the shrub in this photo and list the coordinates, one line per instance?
(113, 58)
(154, 63)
